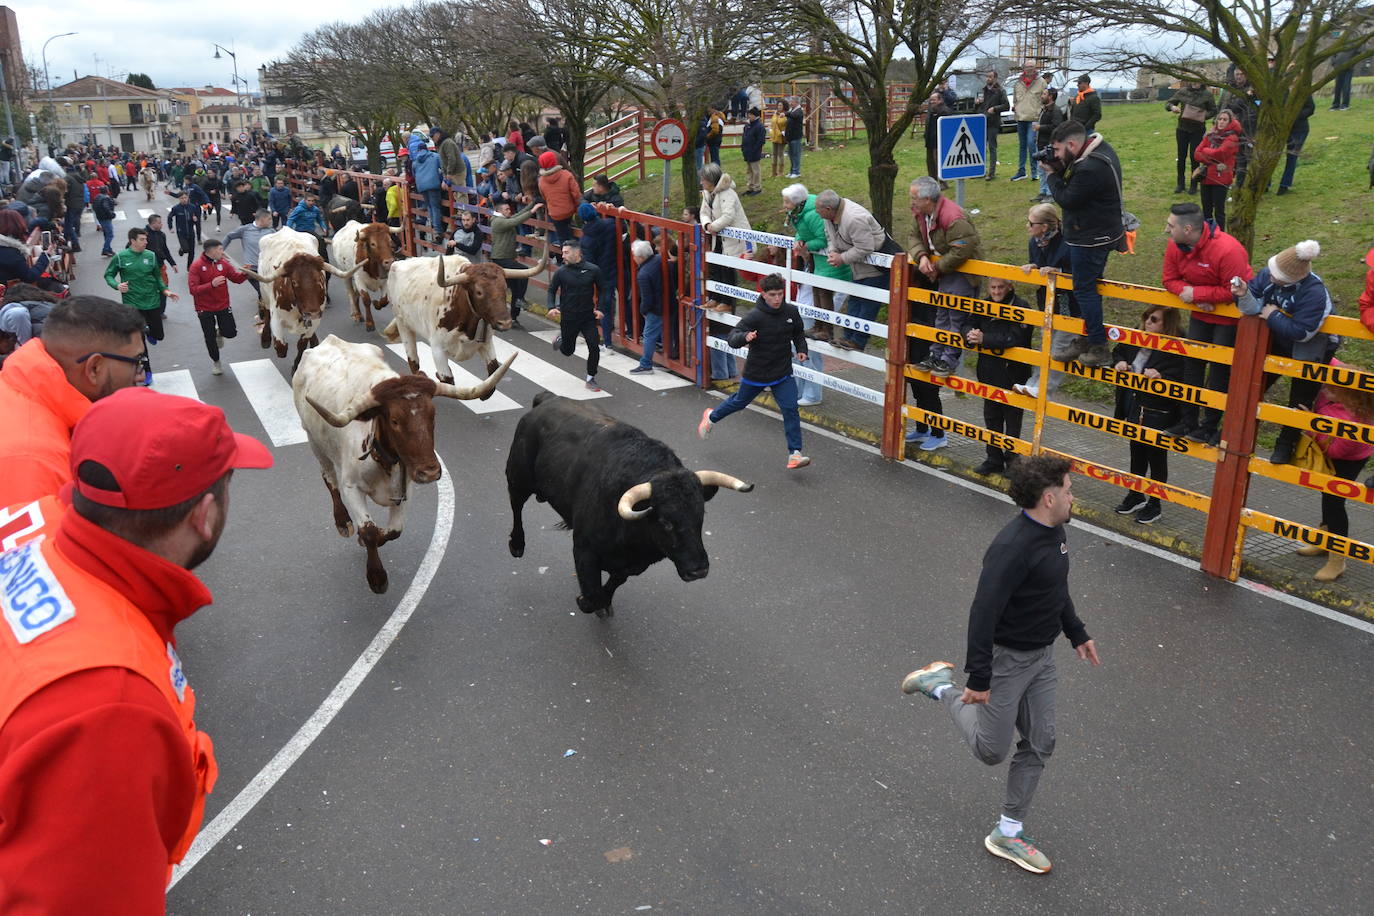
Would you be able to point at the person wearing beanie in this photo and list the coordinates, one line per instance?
(1294, 302)
(562, 195)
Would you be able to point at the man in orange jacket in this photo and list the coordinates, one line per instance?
(103, 773)
(91, 347)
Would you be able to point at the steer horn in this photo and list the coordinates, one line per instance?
(349, 414)
(440, 277)
(480, 390)
(636, 494)
(519, 273)
(262, 278)
(718, 479)
(344, 274)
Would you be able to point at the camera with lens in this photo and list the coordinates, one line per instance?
(1045, 154)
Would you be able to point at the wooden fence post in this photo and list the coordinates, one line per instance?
(1230, 486)
(894, 388)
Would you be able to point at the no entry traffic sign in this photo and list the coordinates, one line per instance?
(669, 138)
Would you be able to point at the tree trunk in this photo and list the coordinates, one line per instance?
(691, 184)
(882, 177)
(1271, 142)
(575, 124)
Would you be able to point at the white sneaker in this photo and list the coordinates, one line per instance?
(1030, 391)
(807, 402)
(704, 427)
(216, 370)
(797, 460)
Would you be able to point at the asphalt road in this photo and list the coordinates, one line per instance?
(741, 743)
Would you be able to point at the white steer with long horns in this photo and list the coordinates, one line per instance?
(453, 306)
(294, 289)
(372, 430)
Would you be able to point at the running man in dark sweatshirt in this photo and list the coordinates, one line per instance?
(573, 297)
(1021, 606)
(770, 332)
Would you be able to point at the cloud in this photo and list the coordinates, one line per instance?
(173, 45)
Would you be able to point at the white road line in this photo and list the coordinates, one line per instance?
(144, 214)
(545, 374)
(319, 720)
(119, 215)
(1258, 588)
(658, 380)
(270, 396)
(177, 382)
(497, 402)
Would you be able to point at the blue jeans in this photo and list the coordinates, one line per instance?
(784, 392)
(867, 309)
(1295, 143)
(107, 227)
(794, 150)
(1088, 265)
(71, 225)
(1025, 139)
(434, 200)
(653, 332)
(607, 306)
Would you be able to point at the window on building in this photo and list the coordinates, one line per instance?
(292, 126)
(274, 125)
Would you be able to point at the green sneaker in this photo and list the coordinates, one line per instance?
(1019, 849)
(926, 680)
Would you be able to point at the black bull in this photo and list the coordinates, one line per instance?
(627, 498)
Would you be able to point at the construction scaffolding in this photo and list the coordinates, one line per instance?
(1040, 39)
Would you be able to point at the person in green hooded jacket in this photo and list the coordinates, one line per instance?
(810, 234)
(134, 273)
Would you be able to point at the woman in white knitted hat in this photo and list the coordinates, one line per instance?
(1294, 302)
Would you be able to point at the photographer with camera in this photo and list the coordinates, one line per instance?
(1085, 180)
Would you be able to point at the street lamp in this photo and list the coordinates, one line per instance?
(235, 57)
(47, 81)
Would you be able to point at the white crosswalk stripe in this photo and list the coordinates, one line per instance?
(658, 380)
(545, 374)
(269, 393)
(144, 214)
(120, 216)
(175, 381)
(497, 402)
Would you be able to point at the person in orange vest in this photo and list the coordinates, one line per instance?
(103, 773)
(90, 348)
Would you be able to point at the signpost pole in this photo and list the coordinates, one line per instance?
(959, 192)
(667, 171)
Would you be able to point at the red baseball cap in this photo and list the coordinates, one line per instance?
(161, 449)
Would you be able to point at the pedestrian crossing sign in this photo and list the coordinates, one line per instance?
(963, 143)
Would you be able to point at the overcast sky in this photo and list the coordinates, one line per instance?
(175, 44)
(172, 43)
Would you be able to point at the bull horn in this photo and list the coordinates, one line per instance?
(480, 390)
(719, 479)
(344, 274)
(394, 230)
(440, 278)
(350, 413)
(518, 273)
(636, 494)
(264, 278)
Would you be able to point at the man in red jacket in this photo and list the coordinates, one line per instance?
(209, 279)
(103, 773)
(1199, 263)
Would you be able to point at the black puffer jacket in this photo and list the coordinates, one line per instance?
(1090, 195)
(770, 353)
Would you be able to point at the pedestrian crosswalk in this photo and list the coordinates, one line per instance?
(266, 385)
(620, 364)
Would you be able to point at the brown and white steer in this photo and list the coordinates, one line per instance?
(147, 180)
(453, 307)
(368, 244)
(294, 289)
(372, 430)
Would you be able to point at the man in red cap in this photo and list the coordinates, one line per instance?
(103, 773)
(90, 348)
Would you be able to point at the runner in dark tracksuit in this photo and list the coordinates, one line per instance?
(1021, 606)
(575, 293)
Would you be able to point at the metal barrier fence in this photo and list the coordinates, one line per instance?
(693, 276)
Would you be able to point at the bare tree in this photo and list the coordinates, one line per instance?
(679, 57)
(854, 43)
(563, 58)
(338, 71)
(1283, 48)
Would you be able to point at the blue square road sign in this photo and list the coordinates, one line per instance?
(963, 146)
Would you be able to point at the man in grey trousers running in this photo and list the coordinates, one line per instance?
(1021, 606)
